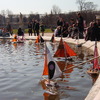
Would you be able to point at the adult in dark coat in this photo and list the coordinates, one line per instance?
(80, 22)
(33, 26)
(60, 22)
(30, 28)
(98, 23)
(95, 32)
(37, 27)
(20, 32)
(42, 29)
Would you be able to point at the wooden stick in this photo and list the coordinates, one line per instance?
(81, 44)
(81, 63)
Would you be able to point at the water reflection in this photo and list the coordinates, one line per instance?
(18, 45)
(48, 96)
(22, 68)
(53, 45)
(61, 64)
(94, 78)
(69, 71)
(37, 47)
(63, 86)
(3, 41)
(15, 45)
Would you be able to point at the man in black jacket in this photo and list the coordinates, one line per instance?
(37, 27)
(80, 22)
(33, 26)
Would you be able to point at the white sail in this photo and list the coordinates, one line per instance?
(51, 64)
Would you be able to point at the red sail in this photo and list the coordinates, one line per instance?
(60, 51)
(69, 51)
(96, 61)
(64, 50)
(38, 39)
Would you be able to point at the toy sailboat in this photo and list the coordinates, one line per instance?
(17, 39)
(64, 50)
(52, 39)
(51, 70)
(50, 66)
(39, 39)
(20, 39)
(14, 39)
(96, 67)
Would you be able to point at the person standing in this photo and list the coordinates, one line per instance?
(60, 22)
(80, 22)
(33, 26)
(37, 27)
(30, 28)
(95, 32)
(9, 28)
(42, 27)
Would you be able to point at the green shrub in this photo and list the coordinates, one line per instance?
(47, 30)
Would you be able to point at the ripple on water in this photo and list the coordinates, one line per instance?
(21, 68)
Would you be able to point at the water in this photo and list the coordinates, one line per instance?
(21, 68)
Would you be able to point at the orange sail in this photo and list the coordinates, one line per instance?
(45, 71)
(38, 39)
(14, 39)
(60, 51)
(69, 51)
(64, 50)
(96, 61)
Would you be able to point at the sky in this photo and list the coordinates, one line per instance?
(40, 6)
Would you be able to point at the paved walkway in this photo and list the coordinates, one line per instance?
(47, 36)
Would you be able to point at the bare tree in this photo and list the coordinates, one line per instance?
(86, 6)
(56, 10)
(8, 12)
(89, 6)
(3, 13)
(81, 4)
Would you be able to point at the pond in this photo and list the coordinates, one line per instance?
(21, 67)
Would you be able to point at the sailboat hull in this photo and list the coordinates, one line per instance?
(50, 86)
(92, 72)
